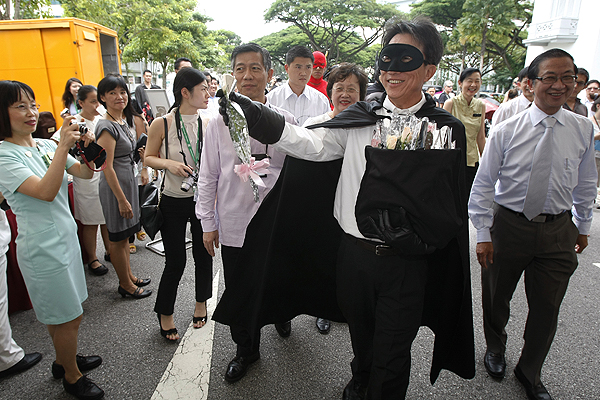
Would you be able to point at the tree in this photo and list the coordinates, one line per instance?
(441, 12)
(25, 9)
(145, 34)
(333, 26)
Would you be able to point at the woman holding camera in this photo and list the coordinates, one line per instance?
(179, 147)
(118, 186)
(86, 201)
(34, 182)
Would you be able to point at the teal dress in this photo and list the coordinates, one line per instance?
(48, 250)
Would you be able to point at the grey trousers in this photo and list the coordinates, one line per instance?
(545, 252)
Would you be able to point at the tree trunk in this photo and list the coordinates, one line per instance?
(164, 73)
(17, 6)
(6, 14)
(483, 43)
(464, 56)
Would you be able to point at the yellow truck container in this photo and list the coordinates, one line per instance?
(45, 53)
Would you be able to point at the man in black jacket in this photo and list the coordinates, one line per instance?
(383, 293)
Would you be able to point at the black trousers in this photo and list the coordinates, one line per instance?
(545, 251)
(242, 337)
(176, 214)
(382, 299)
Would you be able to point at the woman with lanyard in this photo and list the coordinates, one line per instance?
(118, 186)
(33, 178)
(175, 145)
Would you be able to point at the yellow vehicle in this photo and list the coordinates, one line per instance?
(45, 53)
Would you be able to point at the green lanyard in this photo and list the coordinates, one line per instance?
(195, 157)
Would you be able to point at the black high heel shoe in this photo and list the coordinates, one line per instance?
(142, 282)
(137, 294)
(165, 334)
(195, 320)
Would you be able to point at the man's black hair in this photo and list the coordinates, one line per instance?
(534, 67)
(584, 72)
(522, 74)
(252, 48)
(146, 70)
(179, 60)
(423, 30)
(298, 51)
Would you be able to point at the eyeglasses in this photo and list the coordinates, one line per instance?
(341, 89)
(551, 79)
(592, 88)
(25, 108)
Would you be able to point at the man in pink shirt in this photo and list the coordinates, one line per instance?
(225, 203)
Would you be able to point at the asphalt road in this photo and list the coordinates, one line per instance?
(306, 365)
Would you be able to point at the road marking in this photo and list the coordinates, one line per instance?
(188, 374)
(597, 264)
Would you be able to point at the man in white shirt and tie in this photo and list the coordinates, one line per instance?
(537, 171)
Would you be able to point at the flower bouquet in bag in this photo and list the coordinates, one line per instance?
(409, 196)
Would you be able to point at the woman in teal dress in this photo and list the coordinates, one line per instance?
(34, 182)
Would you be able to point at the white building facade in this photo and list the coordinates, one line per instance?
(571, 25)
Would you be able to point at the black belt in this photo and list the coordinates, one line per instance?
(539, 218)
(379, 249)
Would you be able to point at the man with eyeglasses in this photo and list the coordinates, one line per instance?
(591, 93)
(573, 103)
(537, 171)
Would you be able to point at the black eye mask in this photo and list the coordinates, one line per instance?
(400, 57)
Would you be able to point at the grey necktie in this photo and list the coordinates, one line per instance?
(537, 189)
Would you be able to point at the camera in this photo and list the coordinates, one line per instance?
(82, 128)
(189, 181)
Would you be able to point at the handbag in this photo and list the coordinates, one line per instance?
(151, 215)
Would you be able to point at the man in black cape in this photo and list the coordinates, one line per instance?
(303, 240)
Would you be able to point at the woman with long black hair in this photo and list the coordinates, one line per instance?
(177, 138)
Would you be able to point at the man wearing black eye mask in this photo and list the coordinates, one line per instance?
(383, 293)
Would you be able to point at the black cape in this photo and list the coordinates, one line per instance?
(288, 260)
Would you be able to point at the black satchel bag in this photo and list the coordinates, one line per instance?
(151, 216)
(410, 199)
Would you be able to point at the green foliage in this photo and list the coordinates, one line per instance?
(487, 34)
(339, 28)
(441, 12)
(25, 9)
(158, 30)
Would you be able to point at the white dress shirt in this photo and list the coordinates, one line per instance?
(510, 108)
(505, 167)
(310, 103)
(323, 144)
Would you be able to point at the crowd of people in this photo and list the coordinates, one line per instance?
(310, 143)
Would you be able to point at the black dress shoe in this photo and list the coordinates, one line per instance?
(137, 294)
(537, 392)
(28, 361)
(237, 368)
(142, 282)
(284, 329)
(84, 389)
(323, 325)
(84, 363)
(495, 364)
(354, 391)
(99, 270)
